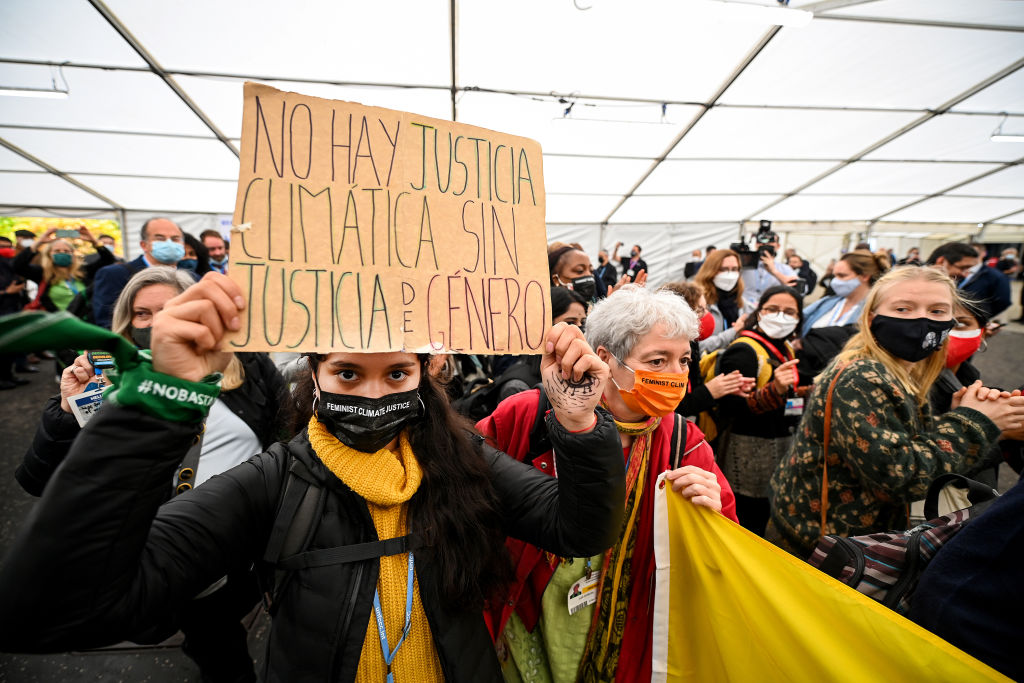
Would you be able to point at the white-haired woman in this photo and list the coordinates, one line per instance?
(885, 447)
(644, 337)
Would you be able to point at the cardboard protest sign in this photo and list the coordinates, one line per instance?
(366, 229)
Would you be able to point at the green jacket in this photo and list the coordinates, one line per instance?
(885, 450)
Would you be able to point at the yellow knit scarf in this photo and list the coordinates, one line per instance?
(386, 480)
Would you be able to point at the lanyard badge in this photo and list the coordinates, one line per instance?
(382, 633)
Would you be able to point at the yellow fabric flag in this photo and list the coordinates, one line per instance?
(730, 606)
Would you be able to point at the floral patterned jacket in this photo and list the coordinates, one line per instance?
(885, 450)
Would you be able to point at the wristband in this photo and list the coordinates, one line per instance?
(585, 429)
(164, 396)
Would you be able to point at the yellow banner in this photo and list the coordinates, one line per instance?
(730, 606)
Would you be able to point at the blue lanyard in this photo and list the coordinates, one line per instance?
(71, 285)
(389, 655)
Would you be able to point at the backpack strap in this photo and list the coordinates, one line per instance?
(343, 554)
(679, 429)
(293, 524)
(827, 441)
(976, 492)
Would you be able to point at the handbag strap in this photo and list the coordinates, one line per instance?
(827, 442)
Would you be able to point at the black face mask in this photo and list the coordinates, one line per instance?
(367, 424)
(585, 286)
(911, 339)
(142, 336)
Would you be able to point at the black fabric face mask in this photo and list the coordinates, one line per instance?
(367, 424)
(911, 339)
(585, 286)
(142, 336)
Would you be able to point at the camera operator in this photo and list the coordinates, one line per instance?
(764, 271)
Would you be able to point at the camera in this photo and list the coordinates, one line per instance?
(763, 239)
(765, 234)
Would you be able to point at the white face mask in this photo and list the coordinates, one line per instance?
(28, 244)
(965, 334)
(726, 281)
(777, 325)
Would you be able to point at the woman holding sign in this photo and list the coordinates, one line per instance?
(386, 517)
(589, 618)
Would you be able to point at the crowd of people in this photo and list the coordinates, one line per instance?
(414, 517)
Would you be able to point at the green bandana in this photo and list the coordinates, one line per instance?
(135, 383)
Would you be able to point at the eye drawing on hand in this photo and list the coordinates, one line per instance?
(569, 394)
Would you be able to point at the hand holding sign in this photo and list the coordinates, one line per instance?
(574, 377)
(187, 333)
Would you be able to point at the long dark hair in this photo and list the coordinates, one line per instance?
(455, 512)
(202, 254)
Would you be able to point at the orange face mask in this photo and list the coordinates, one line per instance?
(654, 393)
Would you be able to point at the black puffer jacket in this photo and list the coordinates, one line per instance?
(258, 403)
(101, 561)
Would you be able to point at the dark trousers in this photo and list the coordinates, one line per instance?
(7, 366)
(753, 513)
(214, 636)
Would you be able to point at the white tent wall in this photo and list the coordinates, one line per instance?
(818, 248)
(665, 247)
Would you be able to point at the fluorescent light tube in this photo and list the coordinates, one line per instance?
(34, 92)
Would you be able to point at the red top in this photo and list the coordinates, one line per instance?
(508, 429)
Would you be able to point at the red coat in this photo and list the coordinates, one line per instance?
(508, 429)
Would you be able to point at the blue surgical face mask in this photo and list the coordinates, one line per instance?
(188, 264)
(845, 288)
(219, 262)
(168, 252)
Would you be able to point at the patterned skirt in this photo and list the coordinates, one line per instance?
(749, 461)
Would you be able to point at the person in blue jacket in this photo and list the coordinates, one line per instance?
(854, 274)
(162, 243)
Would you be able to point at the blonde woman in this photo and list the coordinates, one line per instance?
(60, 273)
(885, 445)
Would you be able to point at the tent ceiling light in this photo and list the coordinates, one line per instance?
(34, 92)
(999, 136)
(54, 92)
(726, 10)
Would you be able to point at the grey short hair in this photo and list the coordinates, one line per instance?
(618, 322)
(179, 280)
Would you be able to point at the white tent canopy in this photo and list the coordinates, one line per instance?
(877, 113)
